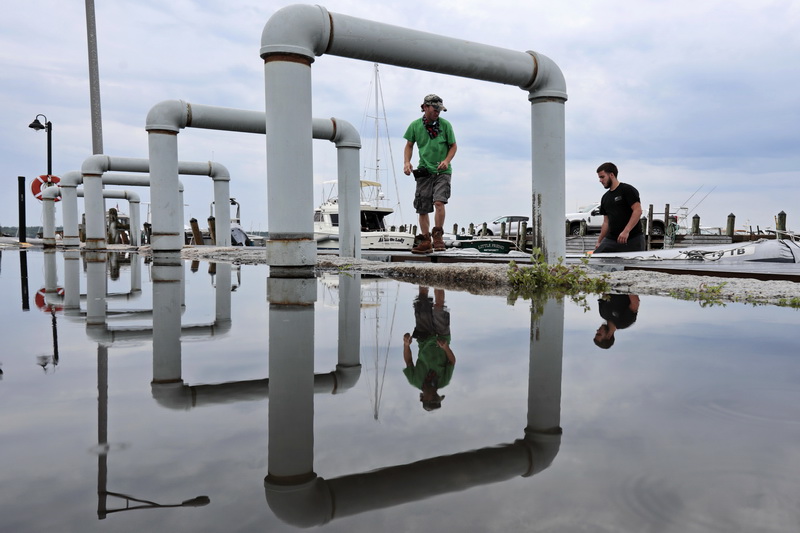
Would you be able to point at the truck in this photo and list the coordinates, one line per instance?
(594, 220)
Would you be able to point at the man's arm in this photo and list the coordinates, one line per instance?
(408, 151)
(603, 231)
(451, 153)
(407, 350)
(636, 217)
(444, 345)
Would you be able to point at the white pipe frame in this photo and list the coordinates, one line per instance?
(68, 187)
(292, 38)
(167, 118)
(48, 212)
(95, 166)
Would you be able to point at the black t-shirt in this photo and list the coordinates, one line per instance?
(616, 205)
(617, 310)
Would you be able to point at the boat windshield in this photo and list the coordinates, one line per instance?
(372, 221)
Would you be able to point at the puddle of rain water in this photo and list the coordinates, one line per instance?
(210, 397)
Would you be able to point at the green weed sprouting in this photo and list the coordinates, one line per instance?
(541, 281)
(706, 295)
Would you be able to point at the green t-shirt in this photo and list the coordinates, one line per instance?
(431, 151)
(431, 357)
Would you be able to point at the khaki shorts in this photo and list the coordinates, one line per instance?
(434, 188)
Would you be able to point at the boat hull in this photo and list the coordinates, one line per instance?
(373, 240)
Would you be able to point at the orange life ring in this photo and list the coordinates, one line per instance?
(41, 183)
(43, 305)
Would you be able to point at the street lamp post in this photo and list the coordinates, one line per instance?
(48, 127)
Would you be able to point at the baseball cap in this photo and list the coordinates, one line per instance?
(435, 101)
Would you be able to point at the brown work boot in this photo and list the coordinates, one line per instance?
(438, 240)
(423, 244)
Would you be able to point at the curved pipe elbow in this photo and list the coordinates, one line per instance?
(346, 377)
(169, 115)
(95, 165)
(218, 171)
(306, 504)
(345, 134)
(544, 447)
(73, 178)
(51, 193)
(548, 82)
(298, 29)
(176, 396)
(132, 197)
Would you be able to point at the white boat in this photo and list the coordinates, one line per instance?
(375, 233)
(760, 251)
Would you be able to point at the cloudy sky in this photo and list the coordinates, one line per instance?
(695, 101)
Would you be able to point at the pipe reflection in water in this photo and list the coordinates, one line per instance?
(294, 491)
(298, 496)
(166, 331)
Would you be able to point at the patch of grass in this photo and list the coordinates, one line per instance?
(541, 281)
(706, 295)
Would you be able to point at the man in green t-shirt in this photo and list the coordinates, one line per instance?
(436, 143)
(436, 360)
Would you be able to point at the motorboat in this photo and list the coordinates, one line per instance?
(375, 235)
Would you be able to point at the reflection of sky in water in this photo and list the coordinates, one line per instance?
(690, 422)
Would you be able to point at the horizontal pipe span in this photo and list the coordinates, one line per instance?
(313, 31)
(187, 115)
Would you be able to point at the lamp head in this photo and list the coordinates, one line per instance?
(36, 125)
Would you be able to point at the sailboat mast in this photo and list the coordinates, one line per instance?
(377, 129)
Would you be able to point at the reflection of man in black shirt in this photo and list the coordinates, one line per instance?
(619, 312)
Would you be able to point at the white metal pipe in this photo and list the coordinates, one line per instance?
(289, 164)
(173, 115)
(294, 35)
(100, 164)
(69, 198)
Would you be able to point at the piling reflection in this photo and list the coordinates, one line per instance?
(619, 312)
(435, 359)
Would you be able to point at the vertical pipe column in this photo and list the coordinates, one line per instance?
(167, 274)
(349, 360)
(95, 289)
(289, 161)
(135, 222)
(543, 431)
(48, 221)
(548, 176)
(349, 201)
(50, 277)
(72, 282)
(95, 211)
(166, 202)
(69, 213)
(222, 210)
(291, 380)
(223, 294)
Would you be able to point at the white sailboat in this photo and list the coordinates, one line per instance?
(375, 233)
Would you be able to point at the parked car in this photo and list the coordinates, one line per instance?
(594, 220)
(513, 223)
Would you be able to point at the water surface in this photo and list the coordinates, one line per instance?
(182, 382)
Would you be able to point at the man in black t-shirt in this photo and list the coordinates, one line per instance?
(622, 213)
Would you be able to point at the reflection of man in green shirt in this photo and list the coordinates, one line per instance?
(435, 362)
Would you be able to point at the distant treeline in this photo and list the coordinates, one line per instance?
(30, 231)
